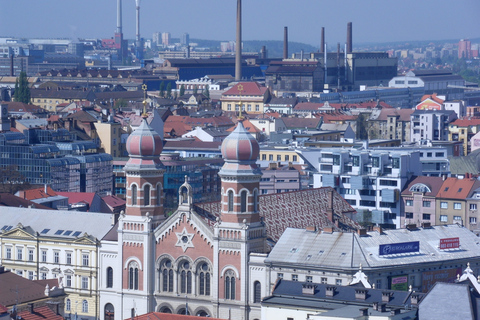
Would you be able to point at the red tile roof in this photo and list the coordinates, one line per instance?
(249, 89)
(297, 209)
(453, 188)
(10, 200)
(3, 309)
(10, 282)
(37, 193)
(40, 313)
(250, 127)
(466, 122)
(167, 316)
(114, 201)
(432, 97)
(76, 197)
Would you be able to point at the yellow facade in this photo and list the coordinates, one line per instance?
(279, 155)
(72, 261)
(110, 135)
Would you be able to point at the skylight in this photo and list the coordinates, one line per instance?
(76, 233)
(45, 231)
(68, 232)
(59, 232)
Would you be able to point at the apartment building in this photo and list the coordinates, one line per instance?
(47, 244)
(431, 124)
(369, 180)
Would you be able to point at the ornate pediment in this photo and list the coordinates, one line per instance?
(19, 232)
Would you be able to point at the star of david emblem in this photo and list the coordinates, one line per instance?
(184, 240)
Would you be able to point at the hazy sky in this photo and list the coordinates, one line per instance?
(373, 20)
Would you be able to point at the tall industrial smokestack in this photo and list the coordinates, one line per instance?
(322, 40)
(349, 38)
(238, 44)
(119, 16)
(285, 43)
(137, 2)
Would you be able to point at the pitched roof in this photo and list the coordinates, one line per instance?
(82, 116)
(250, 127)
(30, 290)
(249, 89)
(76, 197)
(403, 114)
(432, 97)
(466, 122)
(38, 193)
(113, 201)
(454, 188)
(302, 123)
(433, 183)
(10, 200)
(40, 313)
(297, 209)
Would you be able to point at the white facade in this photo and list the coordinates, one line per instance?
(406, 81)
(430, 125)
(369, 180)
(458, 106)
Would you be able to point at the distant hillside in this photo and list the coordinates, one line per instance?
(274, 47)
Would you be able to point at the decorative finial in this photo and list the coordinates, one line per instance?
(410, 288)
(186, 178)
(240, 89)
(144, 114)
(468, 265)
(360, 267)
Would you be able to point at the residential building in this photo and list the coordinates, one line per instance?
(48, 99)
(431, 124)
(464, 130)
(250, 95)
(277, 179)
(419, 201)
(390, 124)
(465, 49)
(451, 200)
(279, 154)
(369, 180)
(281, 105)
(45, 244)
(109, 135)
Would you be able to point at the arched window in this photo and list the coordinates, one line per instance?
(109, 277)
(159, 194)
(243, 201)
(146, 195)
(255, 200)
(166, 274)
(133, 276)
(230, 200)
(109, 312)
(185, 277)
(84, 306)
(134, 194)
(68, 305)
(184, 193)
(166, 310)
(257, 292)
(204, 279)
(230, 285)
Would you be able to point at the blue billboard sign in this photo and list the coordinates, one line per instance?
(403, 247)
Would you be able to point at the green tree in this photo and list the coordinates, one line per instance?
(207, 92)
(120, 103)
(162, 89)
(11, 180)
(195, 90)
(362, 127)
(169, 90)
(22, 91)
(182, 90)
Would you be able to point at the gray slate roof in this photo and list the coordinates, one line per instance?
(346, 251)
(95, 224)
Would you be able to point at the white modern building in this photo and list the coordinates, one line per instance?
(430, 124)
(369, 180)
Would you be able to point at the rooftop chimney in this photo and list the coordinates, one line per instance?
(349, 38)
(238, 43)
(386, 296)
(322, 40)
(285, 43)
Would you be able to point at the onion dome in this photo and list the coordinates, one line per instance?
(144, 142)
(240, 145)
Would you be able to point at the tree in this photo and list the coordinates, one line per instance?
(195, 89)
(11, 180)
(207, 92)
(162, 89)
(169, 90)
(362, 133)
(22, 91)
(182, 90)
(120, 103)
